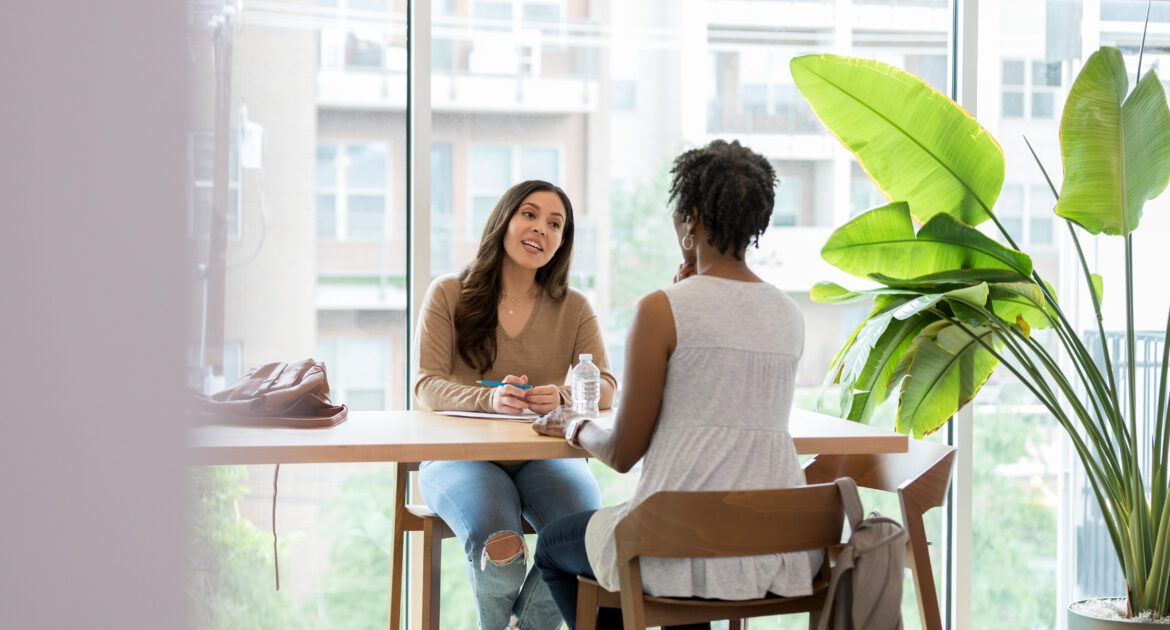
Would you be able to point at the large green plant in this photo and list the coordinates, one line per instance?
(954, 305)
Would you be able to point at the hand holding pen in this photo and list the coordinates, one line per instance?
(514, 395)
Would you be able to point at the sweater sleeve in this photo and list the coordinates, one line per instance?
(435, 387)
(589, 341)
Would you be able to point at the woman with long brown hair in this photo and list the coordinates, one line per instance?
(509, 317)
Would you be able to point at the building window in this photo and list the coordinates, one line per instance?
(441, 209)
(493, 168)
(352, 190)
(1030, 94)
(357, 370)
(1013, 89)
(863, 193)
(1045, 83)
(751, 92)
(201, 158)
(1026, 213)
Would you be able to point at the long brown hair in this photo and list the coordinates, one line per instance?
(477, 313)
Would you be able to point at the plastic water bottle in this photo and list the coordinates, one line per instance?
(586, 386)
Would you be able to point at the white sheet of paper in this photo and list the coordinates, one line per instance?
(526, 417)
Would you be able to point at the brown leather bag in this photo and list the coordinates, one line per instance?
(275, 395)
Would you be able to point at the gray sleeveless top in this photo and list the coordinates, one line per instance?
(723, 425)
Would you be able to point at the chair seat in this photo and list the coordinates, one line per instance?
(421, 511)
(425, 512)
(819, 586)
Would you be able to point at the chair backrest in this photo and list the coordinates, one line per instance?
(926, 465)
(732, 523)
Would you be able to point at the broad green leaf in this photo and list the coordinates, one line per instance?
(1116, 150)
(882, 241)
(833, 293)
(945, 374)
(873, 385)
(976, 295)
(947, 280)
(1013, 300)
(848, 354)
(916, 144)
(853, 357)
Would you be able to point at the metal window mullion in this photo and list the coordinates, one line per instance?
(341, 199)
(418, 165)
(960, 504)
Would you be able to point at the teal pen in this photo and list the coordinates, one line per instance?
(499, 384)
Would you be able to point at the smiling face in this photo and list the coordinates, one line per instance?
(535, 230)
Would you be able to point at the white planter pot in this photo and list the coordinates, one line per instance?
(1081, 621)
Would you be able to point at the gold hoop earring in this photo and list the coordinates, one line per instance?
(688, 242)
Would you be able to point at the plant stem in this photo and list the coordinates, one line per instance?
(1085, 271)
(1161, 435)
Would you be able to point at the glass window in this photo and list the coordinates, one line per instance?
(363, 50)
(441, 209)
(789, 203)
(540, 163)
(491, 167)
(323, 82)
(863, 193)
(482, 9)
(366, 217)
(202, 182)
(326, 216)
(1010, 210)
(1042, 104)
(367, 165)
(1013, 72)
(1013, 105)
(1040, 214)
(1045, 74)
(351, 191)
(542, 11)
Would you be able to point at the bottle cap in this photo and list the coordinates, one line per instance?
(585, 357)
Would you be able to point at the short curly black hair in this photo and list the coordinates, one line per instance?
(733, 189)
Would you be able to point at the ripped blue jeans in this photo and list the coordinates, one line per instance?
(483, 501)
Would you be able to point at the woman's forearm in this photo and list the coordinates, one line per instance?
(600, 443)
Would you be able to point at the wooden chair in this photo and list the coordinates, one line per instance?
(714, 525)
(921, 477)
(418, 518)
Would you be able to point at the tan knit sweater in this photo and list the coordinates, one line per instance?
(545, 350)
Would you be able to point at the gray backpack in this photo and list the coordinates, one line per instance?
(865, 585)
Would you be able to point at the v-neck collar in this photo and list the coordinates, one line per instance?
(528, 323)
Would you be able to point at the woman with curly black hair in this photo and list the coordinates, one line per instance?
(710, 373)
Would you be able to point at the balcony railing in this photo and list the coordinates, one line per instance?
(1098, 573)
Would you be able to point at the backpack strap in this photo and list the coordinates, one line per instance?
(844, 564)
(852, 501)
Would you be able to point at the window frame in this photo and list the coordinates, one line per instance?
(474, 227)
(341, 191)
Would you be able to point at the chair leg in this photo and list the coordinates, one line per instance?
(920, 569)
(737, 624)
(586, 606)
(432, 574)
(814, 620)
(396, 575)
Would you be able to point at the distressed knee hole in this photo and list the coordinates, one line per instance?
(502, 548)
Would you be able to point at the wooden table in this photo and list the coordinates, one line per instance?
(411, 436)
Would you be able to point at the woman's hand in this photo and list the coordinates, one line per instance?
(685, 270)
(543, 399)
(509, 398)
(554, 422)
